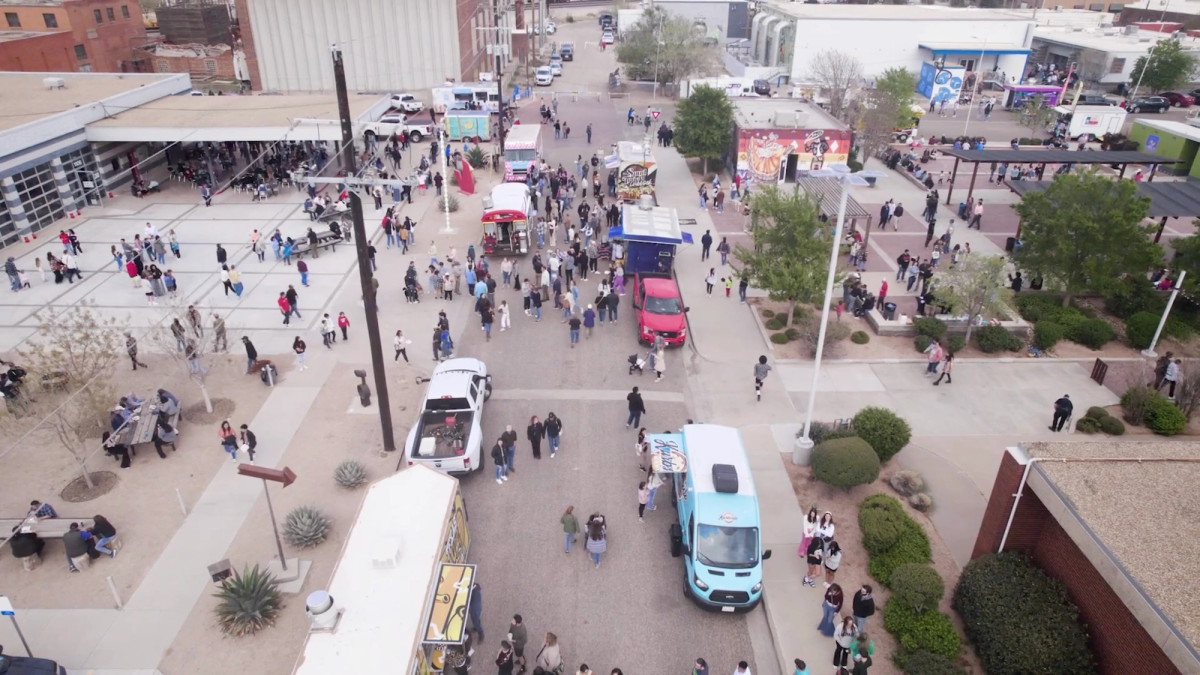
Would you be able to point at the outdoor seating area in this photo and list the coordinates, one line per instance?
(136, 422)
(26, 538)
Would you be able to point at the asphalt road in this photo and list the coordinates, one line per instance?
(629, 613)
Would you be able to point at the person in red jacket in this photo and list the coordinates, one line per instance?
(344, 323)
(285, 307)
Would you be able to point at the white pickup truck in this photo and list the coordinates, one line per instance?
(394, 123)
(448, 434)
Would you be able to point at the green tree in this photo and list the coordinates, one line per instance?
(790, 256)
(1187, 257)
(1168, 67)
(974, 287)
(899, 84)
(1036, 115)
(704, 124)
(665, 46)
(1085, 232)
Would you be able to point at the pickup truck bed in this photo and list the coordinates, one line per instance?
(443, 434)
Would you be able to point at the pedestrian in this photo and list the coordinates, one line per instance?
(502, 313)
(637, 408)
(328, 331)
(554, 428)
(700, 667)
(228, 439)
(293, 299)
(509, 439)
(343, 322)
(977, 216)
(570, 528)
(660, 364)
(597, 532)
(653, 481)
(251, 354)
(535, 432)
(705, 244)
(863, 607)
(830, 606)
(723, 248)
(401, 346)
(131, 347)
(813, 555)
(518, 636)
(862, 662)
(801, 667)
(504, 660)
(832, 560)
(843, 635)
(174, 244)
(807, 531)
(743, 285)
(743, 668)
(299, 347)
(934, 350)
(285, 307)
(710, 280)
(475, 607)
(1063, 408)
(574, 323)
(549, 658)
(760, 375)
(498, 458)
(302, 268)
(947, 365)
(826, 529)
(249, 442)
(643, 494)
(1160, 369)
(1171, 377)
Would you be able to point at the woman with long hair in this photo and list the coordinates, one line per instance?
(535, 432)
(596, 537)
(299, 347)
(228, 439)
(809, 530)
(830, 606)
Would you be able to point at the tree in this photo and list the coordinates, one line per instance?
(1085, 232)
(72, 357)
(196, 351)
(704, 124)
(790, 257)
(1187, 257)
(898, 85)
(837, 73)
(665, 46)
(1168, 67)
(974, 287)
(1036, 115)
(876, 125)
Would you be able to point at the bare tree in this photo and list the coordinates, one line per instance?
(876, 122)
(837, 73)
(70, 364)
(192, 338)
(975, 287)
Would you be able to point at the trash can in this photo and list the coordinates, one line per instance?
(889, 311)
(962, 210)
(1010, 243)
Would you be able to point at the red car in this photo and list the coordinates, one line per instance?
(659, 309)
(1177, 99)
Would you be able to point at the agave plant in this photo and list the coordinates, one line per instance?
(350, 474)
(448, 203)
(305, 527)
(476, 157)
(250, 602)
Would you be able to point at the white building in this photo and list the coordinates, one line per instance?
(789, 36)
(1104, 55)
(717, 19)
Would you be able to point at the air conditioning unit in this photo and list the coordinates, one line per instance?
(785, 119)
(54, 82)
(323, 614)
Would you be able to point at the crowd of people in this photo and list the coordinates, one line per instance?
(80, 544)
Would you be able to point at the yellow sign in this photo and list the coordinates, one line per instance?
(457, 538)
(447, 623)
(421, 666)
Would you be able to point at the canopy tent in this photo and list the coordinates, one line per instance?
(1048, 156)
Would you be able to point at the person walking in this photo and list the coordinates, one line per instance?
(535, 432)
(660, 363)
(549, 658)
(475, 608)
(863, 607)
(947, 366)
(302, 268)
(710, 280)
(504, 660)
(597, 532)
(131, 347)
(843, 636)
(1171, 377)
(643, 494)
(653, 482)
(705, 244)
(1160, 369)
(486, 317)
(574, 323)
(553, 426)
(637, 408)
(328, 332)
(502, 313)
(251, 354)
(343, 322)
(830, 606)
(570, 528)
(401, 346)
(285, 307)
(299, 347)
(760, 375)
(1063, 408)
(935, 354)
(518, 636)
(293, 299)
(813, 554)
(977, 216)
(589, 321)
(498, 458)
(723, 248)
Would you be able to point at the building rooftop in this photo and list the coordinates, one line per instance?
(846, 12)
(31, 3)
(24, 97)
(1109, 39)
(237, 111)
(10, 35)
(752, 112)
(1143, 513)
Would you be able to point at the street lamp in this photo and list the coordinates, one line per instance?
(1145, 67)
(840, 172)
(979, 85)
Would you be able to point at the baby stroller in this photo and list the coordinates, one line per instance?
(636, 364)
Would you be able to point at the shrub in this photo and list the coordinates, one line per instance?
(955, 343)
(918, 587)
(775, 323)
(447, 202)
(906, 482)
(808, 332)
(1005, 601)
(929, 631)
(792, 334)
(1046, 334)
(1139, 329)
(819, 432)
(350, 474)
(922, 342)
(475, 156)
(305, 527)
(992, 339)
(1087, 425)
(881, 520)
(1134, 296)
(885, 431)
(845, 463)
(767, 313)
(250, 602)
(921, 501)
(779, 338)
(1034, 308)
(934, 328)
(860, 337)
(1136, 401)
(1093, 333)
(1112, 426)
(911, 547)
(922, 662)
(1164, 418)
(1097, 413)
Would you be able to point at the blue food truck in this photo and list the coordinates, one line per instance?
(649, 235)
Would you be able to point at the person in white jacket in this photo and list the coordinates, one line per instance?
(843, 636)
(807, 532)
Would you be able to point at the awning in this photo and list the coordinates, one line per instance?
(972, 48)
(1167, 199)
(618, 232)
(827, 193)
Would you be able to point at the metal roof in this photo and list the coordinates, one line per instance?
(1055, 156)
(827, 192)
(1175, 199)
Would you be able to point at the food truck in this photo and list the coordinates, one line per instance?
(636, 170)
(469, 125)
(505, 219)
(522, 147)
(399, 598)
(649, 235)
(717, 533)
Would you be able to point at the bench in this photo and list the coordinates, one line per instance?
(50, 528)
(324, 240)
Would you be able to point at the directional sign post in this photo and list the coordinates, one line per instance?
(285, 476)
(6, 609)
(654, 113)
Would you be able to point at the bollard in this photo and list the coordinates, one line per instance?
(113, 587)
(182, 506)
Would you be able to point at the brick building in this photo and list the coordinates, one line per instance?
(29, 51)
(103, 34)
(202, 62)
(1116, 523)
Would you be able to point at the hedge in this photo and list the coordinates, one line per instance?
(1046, 334)
(918, 587)
(934, 328)
(1164, 418)
(992, 339)
(931, 631)
(956, 343)
(1139, 329)
(922, 342)
(885, 431)
(1020, 620)
(924, 663)
(1093, 333)
(1112, 426)
(1136, 402)
(819, 432)
(859, 337)
(909, 545)
(845, 463)
(881, 520)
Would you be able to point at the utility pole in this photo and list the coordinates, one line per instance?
(360, 245)
(497, 48)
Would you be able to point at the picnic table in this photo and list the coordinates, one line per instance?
(50, 528)
(139, 428)
(324, 240)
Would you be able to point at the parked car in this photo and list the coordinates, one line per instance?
(543, 76)
(606, 19)
(551, 28)
(555, 68)
(607, 38)
(448, 433)
(1195, 94)
(27, 665)
(660, 309)
(762, 87)
(1179, 100)
(406, 102)
(1156, 104)
(1095, 99)
(567, 51)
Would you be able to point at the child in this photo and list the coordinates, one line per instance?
(728, 281)
(22, 279)
(643, 497)
(174, 245)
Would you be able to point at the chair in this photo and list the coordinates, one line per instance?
(32, 562)
(82, 561)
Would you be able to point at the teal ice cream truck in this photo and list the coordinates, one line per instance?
(469, 125)
(718, 530)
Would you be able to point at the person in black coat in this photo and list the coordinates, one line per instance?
(1063, 408)
(251, 354)
(535, 432)
(863, 607)
(248, 440)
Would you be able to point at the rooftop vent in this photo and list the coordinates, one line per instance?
(725, 478)
(54, 83)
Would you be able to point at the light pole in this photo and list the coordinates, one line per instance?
(1149, 351)
(1145, 67)
(658, 42)
(840, 172)
(979, 85)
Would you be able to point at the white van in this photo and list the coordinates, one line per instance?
(544, 77)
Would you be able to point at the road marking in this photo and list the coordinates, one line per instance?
(582, 395)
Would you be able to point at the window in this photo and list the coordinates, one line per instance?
(111, 15)
(162, 66)
(51, 20)
(99, 17)
(1078, 7)
(83, 176)
(81, 52)
(1096, 7)
(39, 195)
(124, 11)
(1116, 8)
(13, 20)
(8, 229)
(1116, 67)
(92, 34)
(210, 66)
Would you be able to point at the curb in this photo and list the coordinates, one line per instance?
(1119, 359)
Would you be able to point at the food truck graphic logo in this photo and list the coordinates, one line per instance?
(634, 181)
(763, 155)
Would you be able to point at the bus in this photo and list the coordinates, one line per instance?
(522, 146)
(467, 96)
(717, 533)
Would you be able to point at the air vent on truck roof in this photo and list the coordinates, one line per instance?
(725, 478)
